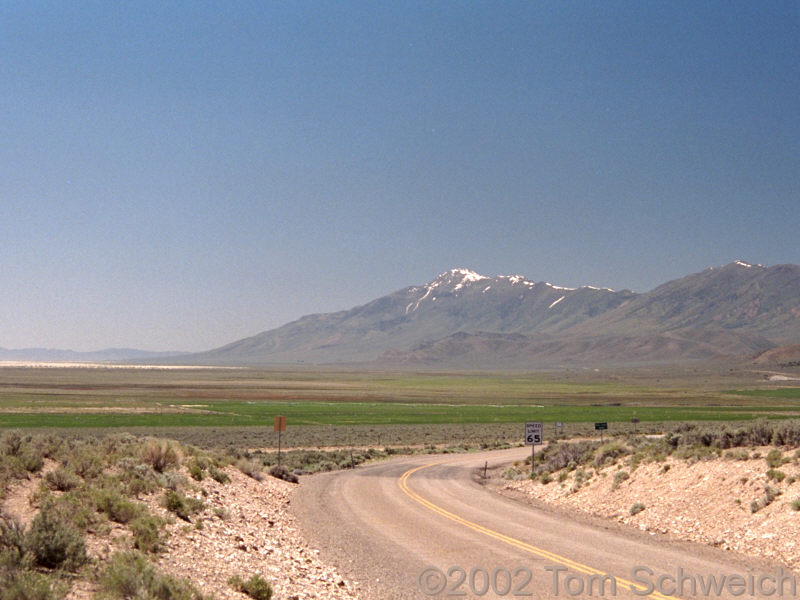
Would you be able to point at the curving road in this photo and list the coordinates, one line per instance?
(406, 528)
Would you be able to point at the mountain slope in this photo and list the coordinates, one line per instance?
(463, 318)
(458, 300)
(737, 297)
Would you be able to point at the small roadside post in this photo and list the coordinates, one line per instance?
(280, 427)
(601, 427)
(533, 438)
(558, 428)
(634, 420)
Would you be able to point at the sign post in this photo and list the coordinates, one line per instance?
(601, 427)
(280, 427)
(533, 438)
(634, 420)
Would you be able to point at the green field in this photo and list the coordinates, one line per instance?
(128, 398)
(248, 414)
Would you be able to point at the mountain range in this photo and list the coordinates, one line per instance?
(58, 355)
(464, 319)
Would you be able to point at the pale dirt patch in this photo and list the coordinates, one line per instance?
(707, 502)
(17, 503)
(123, 410)
(255, 534)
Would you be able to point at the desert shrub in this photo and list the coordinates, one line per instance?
(130, 576)
(85, 463)
(774, 458)
(118, 508)
(29, 585)
(48, 445)
(776, 475)
(672, 439)
(62, 479)
(13, 547)
(196, 469)
(54, 542)
(545, 478)
(619, 477)
(76, 506)
(250, 468)
(665, 468)
(146, 530)
(32, 461)
(581, 476)
(256, 587)
(756, 433)
(326, 465)
(10, 468)
(696, 452)
(218, 475)
(609, 453)
(737, 454)
(173, 481)
(184, 507)
(511, 473)
(636, 508)
(12, 443)
(770, 493)
(567, 454)
(786, 433)
(760, 432)
(283, 473)
(119, 445)
(160, 455)
(137, 478)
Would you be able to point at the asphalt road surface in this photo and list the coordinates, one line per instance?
(426, 527)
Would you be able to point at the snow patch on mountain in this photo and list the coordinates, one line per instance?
(558, 287)
(449, 281)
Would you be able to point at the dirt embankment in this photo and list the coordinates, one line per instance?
(732, 503)
(243, 529)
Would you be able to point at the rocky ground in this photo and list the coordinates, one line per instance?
(707, 501)
(244, 529)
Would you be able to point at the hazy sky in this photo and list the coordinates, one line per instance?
(178, 175)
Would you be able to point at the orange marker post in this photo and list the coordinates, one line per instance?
(280, 427)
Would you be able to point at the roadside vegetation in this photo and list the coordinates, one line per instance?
(574, 463)
(96, 485)
(88, 487)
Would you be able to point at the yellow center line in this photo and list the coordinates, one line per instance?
(562, 560)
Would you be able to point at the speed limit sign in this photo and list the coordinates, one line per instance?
(533, 434)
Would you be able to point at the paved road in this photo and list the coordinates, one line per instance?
(401, 525)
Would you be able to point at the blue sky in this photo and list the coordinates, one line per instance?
(178, 175)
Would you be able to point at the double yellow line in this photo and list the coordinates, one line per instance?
(561, 560)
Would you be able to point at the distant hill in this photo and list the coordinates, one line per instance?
(462, 318)
(782, 356)
(107, 355)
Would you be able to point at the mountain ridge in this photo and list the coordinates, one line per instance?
(737, 309)
(66, 355)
